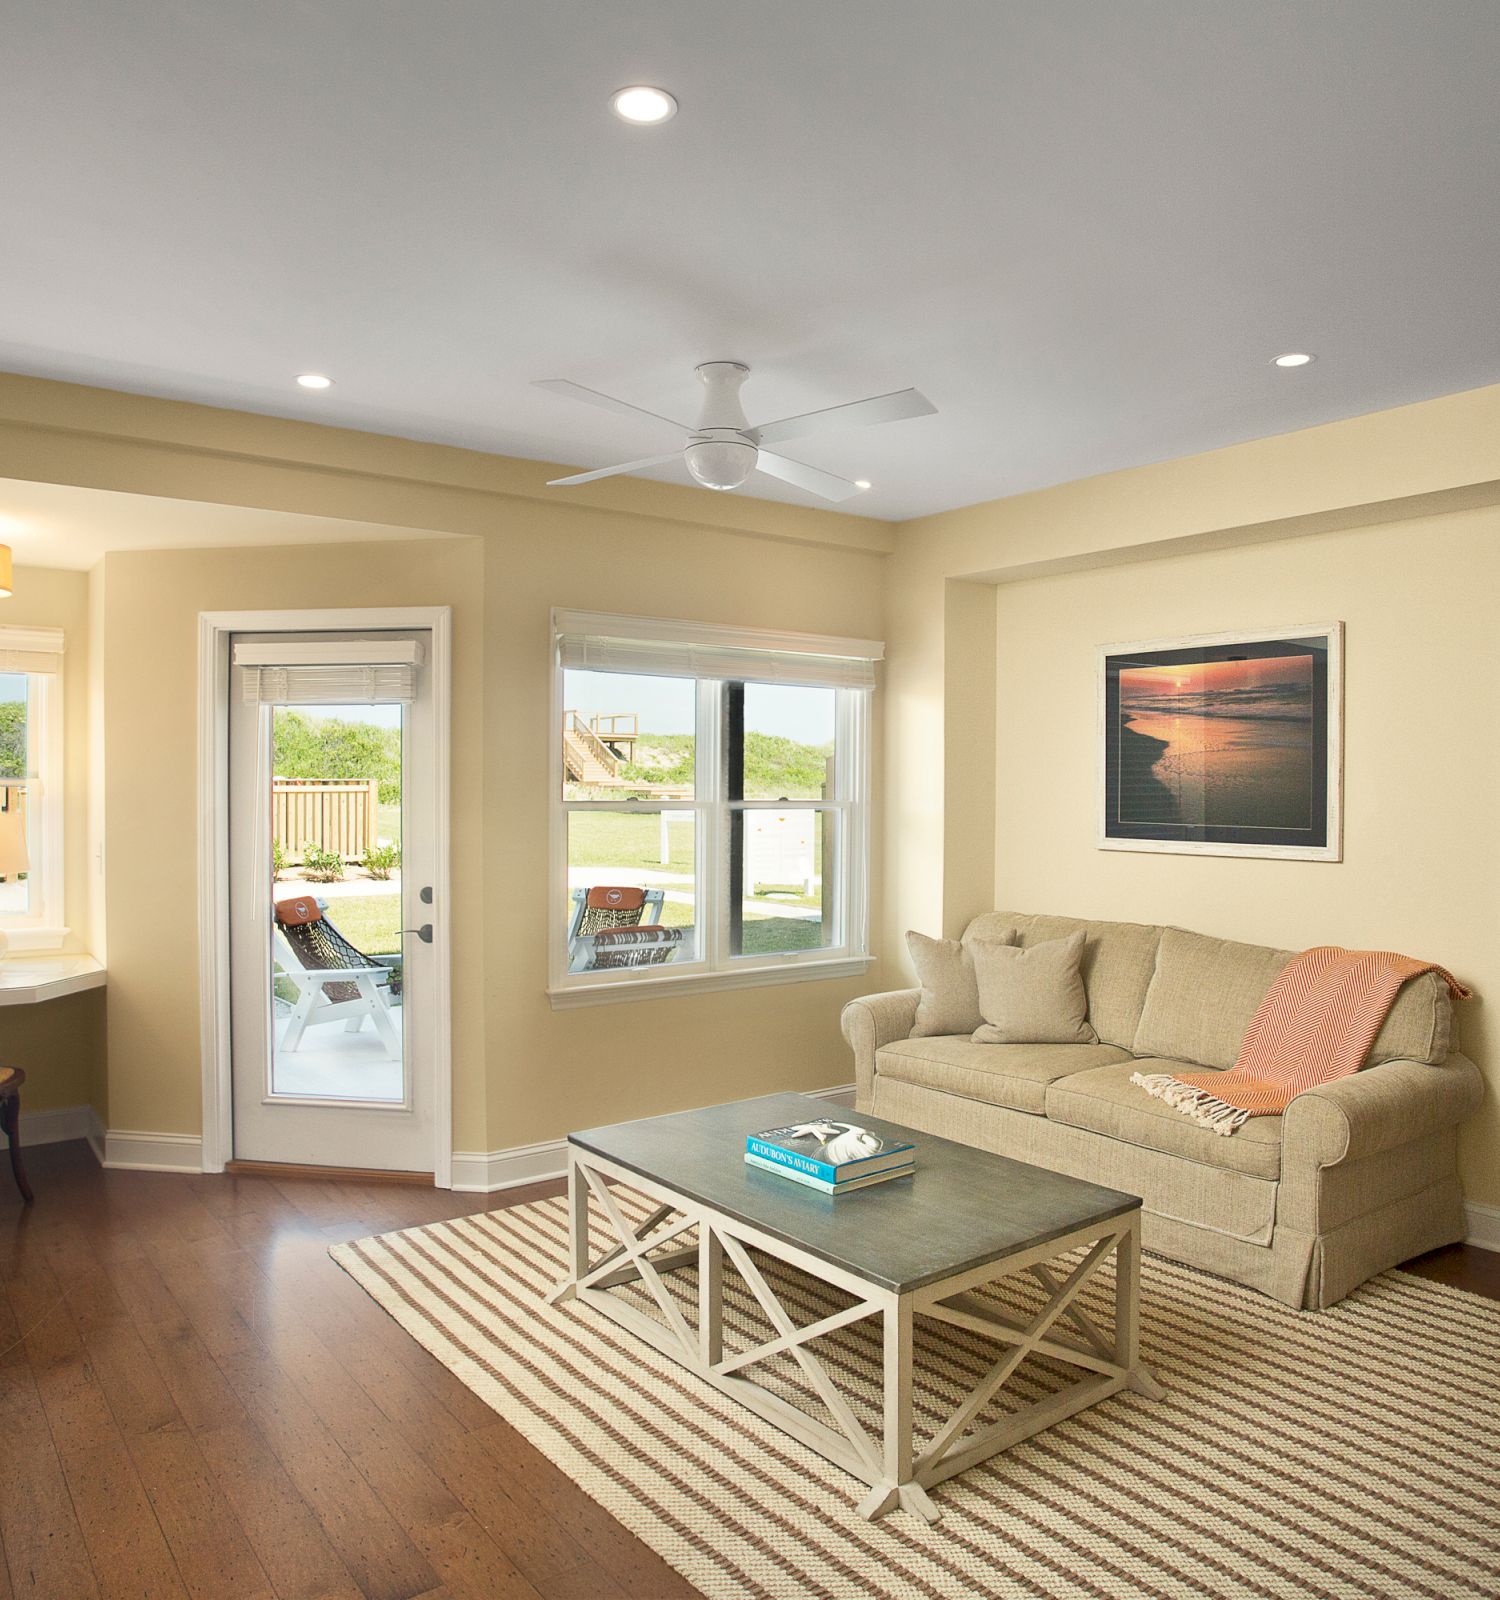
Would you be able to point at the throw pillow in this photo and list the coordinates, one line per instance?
(1033, 995)
(950, 995)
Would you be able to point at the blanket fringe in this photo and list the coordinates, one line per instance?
(1204, 1107)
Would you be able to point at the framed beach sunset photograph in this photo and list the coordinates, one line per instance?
(1223, 744)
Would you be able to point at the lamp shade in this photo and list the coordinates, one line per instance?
(5, 586)
(13, 856)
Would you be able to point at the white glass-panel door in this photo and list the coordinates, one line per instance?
(331, 822)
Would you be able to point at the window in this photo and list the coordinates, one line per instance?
(711, 803)
(31, 788)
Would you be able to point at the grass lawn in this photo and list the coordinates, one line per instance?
(633, 844)
(370, 922)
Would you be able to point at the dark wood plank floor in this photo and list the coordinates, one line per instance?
(194, 1401)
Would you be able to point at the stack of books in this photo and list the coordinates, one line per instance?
(829, 1156)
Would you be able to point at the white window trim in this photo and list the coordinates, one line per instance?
(715, 969)
(42, 928)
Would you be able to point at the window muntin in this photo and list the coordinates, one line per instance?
(761, 858)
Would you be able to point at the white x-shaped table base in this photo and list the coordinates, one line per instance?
(1106, 1361)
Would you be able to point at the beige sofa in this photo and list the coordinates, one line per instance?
(1354, 1177)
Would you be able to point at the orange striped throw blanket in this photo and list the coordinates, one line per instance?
(1316, 1023)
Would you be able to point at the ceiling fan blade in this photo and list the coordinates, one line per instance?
(857, 414)
(815, 481)
(610, 472)
(592, 397)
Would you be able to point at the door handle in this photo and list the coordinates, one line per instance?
(424, 933)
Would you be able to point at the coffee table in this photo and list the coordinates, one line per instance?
(914, 1247)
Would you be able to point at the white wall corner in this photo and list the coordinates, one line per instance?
(127, 1149)
(1483, 1225)
(486, 1172)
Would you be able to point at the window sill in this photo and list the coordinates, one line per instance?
(602, 994)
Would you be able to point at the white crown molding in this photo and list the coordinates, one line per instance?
(487, 1172)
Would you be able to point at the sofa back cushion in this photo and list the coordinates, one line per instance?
(949, 1002)
(1032, 995)
(1205, 991)
(1118, 961)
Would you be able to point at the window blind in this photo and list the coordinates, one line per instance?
(31, 649)
(344, 685)
(591, 643)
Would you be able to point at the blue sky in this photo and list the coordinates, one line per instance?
(665, 705)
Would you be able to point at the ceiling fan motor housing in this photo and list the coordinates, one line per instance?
(718, 454)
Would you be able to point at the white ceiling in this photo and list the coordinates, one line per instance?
(58, 525)
(1082, 227)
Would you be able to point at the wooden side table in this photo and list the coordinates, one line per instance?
(11, 1079)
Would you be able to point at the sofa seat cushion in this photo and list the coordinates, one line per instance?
(1104, 1100)
(1014, 1075)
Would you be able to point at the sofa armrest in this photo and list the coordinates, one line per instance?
(872, 1021)
(1379, 1108)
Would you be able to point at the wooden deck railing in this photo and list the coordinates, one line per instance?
(334, 816)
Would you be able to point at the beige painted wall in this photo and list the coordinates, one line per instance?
(1388, 522)
(610, 1062)
(150, 632)
(60, 1044)
(1421, 867)
(522, 1072)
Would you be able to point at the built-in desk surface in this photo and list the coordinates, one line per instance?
(26, 980)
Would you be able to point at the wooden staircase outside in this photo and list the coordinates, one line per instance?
(586, 757)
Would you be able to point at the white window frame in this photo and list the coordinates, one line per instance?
(713, 967)
(42, 927)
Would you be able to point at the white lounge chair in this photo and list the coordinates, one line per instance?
(313, 948)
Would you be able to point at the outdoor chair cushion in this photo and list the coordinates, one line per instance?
(1013, 1075)
(1104, 1100)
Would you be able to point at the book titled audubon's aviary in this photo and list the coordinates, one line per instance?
(830, 1152)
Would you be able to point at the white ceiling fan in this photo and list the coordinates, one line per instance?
(723, 450)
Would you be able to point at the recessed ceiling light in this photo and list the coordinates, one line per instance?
(1294, 358)
(644, 105)
(314, 380)
(861, 483)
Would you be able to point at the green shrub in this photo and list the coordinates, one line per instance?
(330, 750)
(321, 866)
(381, 860)
(278, 859)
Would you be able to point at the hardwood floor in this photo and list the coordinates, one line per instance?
(194, 1401)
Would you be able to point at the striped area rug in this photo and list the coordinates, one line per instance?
(1351, 1452)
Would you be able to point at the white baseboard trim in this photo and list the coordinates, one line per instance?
(1483, 1225)
(56, 1126)
(487, 1172)
(151, 1152)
